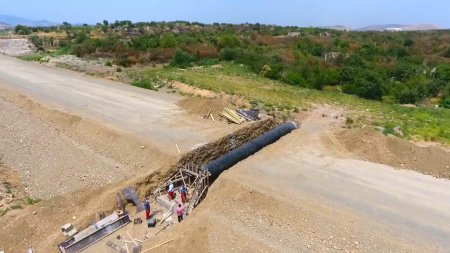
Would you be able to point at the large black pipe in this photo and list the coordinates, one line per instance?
(231, 158)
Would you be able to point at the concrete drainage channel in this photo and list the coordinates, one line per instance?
(196, 170)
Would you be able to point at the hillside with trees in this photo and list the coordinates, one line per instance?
(394, 67)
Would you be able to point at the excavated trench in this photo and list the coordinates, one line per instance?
(208, 153)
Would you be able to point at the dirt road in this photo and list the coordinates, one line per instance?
(147, 114)
(396, 210)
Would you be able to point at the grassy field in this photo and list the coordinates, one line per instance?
(416, 123)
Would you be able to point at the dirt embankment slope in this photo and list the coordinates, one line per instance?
(373, 146)
(56, 153)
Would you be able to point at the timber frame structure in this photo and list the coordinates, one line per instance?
(194, 178)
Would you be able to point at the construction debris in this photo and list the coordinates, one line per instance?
(232, 116)
(209, 115)
(137, 221)
(94, 233)
(250, 115)
(240, 115)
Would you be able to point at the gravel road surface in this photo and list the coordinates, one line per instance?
(148, 114)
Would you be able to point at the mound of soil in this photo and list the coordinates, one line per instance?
(373, 146)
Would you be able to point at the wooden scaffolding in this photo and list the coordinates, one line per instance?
(194, 178)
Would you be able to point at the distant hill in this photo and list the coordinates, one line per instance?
(13, 21)
(5, 26)
(397, 27)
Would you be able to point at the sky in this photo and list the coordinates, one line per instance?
(351, 13)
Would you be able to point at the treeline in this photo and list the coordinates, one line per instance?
(402, 67)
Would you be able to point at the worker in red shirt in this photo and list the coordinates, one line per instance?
(180, 212)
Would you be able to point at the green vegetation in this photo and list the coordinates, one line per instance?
(32, 57)
(283, 68)
(421, 123)
(31, 201)
(403, 67)
(16, 206)
(8, 187)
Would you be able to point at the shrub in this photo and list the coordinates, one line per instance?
(181, 59)
(16, 206)
(31, 201)
(168, 41)
(145, 83)
(108, 64)
(229, 54)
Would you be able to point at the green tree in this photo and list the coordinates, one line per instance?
(22, 30)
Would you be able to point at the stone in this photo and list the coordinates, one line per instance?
(34, 212)
(74, 217)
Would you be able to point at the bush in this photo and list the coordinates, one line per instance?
(168, 41)
(229, 54)
(22, 30)
(31, 201)
(367, 84)
(208, 62)
(181, 60)
(145, 83)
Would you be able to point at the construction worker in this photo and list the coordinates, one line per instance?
(180, 212)
(183, 193)
(147, 208)
(171, 191)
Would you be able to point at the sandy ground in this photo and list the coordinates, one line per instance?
(308, 192)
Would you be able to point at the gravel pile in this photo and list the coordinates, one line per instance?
(16, 47)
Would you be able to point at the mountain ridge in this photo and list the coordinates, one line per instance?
(14, 21)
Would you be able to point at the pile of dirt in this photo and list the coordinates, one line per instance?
(200, 106)
(16, 47)
(371, 145)
(95, 67)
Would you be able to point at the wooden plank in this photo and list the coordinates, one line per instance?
(152, 248)
(132, 239)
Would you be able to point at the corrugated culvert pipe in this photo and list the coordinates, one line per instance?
(226, 161)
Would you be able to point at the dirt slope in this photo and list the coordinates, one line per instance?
(56, 153)
(371, 145)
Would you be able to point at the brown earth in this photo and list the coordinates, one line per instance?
(49, 147)
(239, 213)
(249, 208)
(371, 145)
